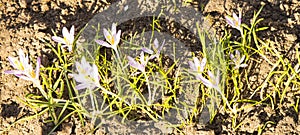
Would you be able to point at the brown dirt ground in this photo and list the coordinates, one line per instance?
(24, 22)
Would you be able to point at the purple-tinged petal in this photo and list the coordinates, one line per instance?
(58, 39)
(240, 18)
(146, 50)
(229, 21)
(192, 66)
(231, 56)
(153, 56)
(13, 72)
(132, 62)
(80, 86)
(37, 68)
(87, 76)
(196, 61)
(78, 67)
(213, 80)
(135, 64)
(80, 77)
(206, 82)
(103, 43)
(235, 17)
(14, 62)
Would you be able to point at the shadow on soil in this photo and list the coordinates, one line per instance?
(10, 110)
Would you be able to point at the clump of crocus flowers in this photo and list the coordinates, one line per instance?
(213, 81)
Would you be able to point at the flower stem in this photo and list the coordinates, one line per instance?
(37, 84)
(149, 91)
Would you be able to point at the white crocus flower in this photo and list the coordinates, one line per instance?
(24, 70)
(68, 38)
(198, 68)
(235, 21)
(112, 38)
(238, 60)
(140, 66)
(87, 76)
(156, 50)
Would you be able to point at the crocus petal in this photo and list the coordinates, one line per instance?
(156, 44)
(72, 31)
(192, 66)
(196, 61)
(78, 67)
(202, 64)
(206, 82)
(23, 60)
(37, 68)
(237, 53)
(160, 48)
(113, 28)
(132, 62)
(239, 19)
(231, 56)
(242, 59)
(235, 17)
(135, 64)
(117, 38)
(58, 39)
(107, 35)
(13, 72)
(230, 21)
(14, 62)
(211, 75)
(96, 75)
(80, 86)
(80, 77)
(146, 50)
(243, 65)
(24, 77)
(142, 58)
(214, 82)
(88, 76)
(69, 36)
(65, 32)
(103, 43)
